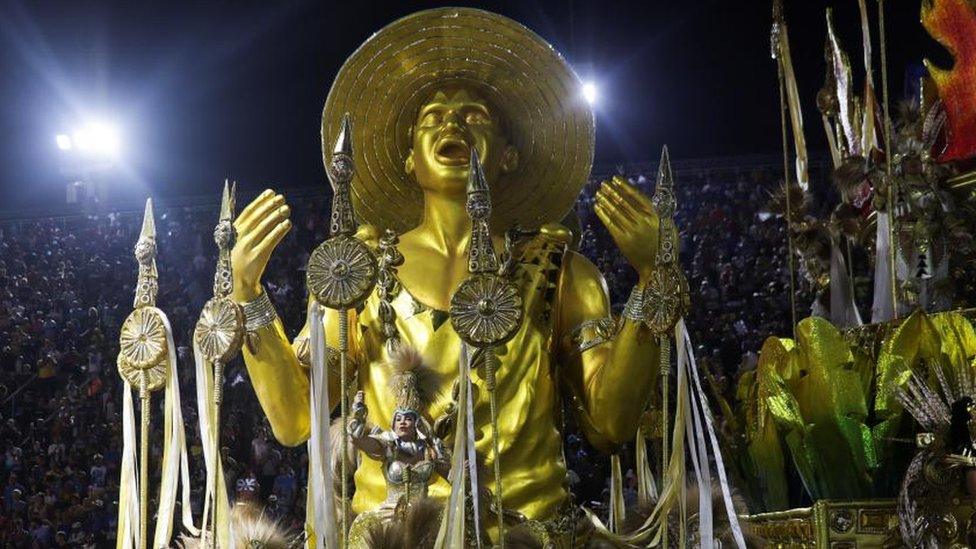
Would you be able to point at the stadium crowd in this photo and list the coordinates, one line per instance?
(66, 284)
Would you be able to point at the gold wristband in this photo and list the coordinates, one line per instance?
(635, 309)
(258, 313)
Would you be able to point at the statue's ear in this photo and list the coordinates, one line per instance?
(510, 159)
(408, 163)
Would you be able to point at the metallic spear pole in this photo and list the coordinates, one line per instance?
(486, 309)
(144, 401)
(218, 337)
(342, 272)
(889, 152)
(143, 352)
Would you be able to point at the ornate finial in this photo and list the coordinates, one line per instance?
(224, 235)
(145, 252)
(340, 169)
(220, 329)
(665, 203)
(142, 339)
(486, 309)
(342, 270)
(481, 258)
(666, 295)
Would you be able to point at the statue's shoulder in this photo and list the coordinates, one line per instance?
(369, 235)
(575, 272)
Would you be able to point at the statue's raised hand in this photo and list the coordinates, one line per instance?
(632, 221)
(260, 227)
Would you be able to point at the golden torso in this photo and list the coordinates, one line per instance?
(532, 466)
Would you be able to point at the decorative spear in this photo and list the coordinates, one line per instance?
(666, 297)
(143, 349)
(341, 274)
(486, 308)
(218, 337)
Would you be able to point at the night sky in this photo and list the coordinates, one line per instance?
(203, 91)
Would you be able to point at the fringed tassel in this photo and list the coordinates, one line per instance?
(882, 310)
(617, 511)
(451, 533)
(646, 488)
(322, 531)
(175, 469)
(843, 311)
(215, 497)
(127, 533)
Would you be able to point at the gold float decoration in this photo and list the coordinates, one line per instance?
(486, 310)
(142, 342)
(220, 330)
(666, 296)
(384, 83)
(342, 270)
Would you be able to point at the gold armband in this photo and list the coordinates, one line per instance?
(302, 348)
(591, 333)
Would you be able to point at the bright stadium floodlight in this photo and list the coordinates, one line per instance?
(97, 138)
(64, 141)
(590, 92)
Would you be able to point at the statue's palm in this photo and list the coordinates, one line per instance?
(632, 222)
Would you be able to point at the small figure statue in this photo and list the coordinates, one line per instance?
(409, 451)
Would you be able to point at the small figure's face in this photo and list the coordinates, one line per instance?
(454, 120)
(405, 427)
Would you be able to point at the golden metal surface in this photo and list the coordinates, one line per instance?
(385, 82)
(155, 376)
(341, 272)
(486, 310)
(220, 329)
(142, 341)
(423, 94)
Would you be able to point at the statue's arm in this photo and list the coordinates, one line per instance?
(279, 373)
(610, 368)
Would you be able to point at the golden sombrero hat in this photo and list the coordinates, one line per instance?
(383, 83)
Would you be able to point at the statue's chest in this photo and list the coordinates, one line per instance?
(523, 360)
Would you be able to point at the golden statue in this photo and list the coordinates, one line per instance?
(421, 93)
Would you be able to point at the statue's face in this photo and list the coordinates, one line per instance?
(454, 120)
(405, 426)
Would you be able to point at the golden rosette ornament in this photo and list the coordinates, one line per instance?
(666, 299)
(220, 329)
(486, 310)
(143, 347)
(341, 272)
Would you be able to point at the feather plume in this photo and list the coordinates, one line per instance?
(417, 529)
(413, 383)
(251, 528)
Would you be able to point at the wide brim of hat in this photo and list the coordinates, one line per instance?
(383, 83)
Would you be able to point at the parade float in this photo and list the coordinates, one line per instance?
(452, 329)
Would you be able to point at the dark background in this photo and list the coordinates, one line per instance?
(203, 91)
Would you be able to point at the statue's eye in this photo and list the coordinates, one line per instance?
(433, 118)
(474, 118)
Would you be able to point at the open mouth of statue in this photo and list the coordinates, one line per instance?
(453, 152)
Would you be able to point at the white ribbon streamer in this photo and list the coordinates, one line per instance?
(175, 472)
(127, 536)
(843, 310)
(320, 476)
(682, 334)
(472, 455)
(882, 309)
